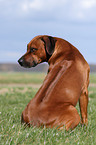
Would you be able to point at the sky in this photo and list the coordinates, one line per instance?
(22, 20)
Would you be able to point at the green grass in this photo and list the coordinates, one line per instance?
(12, 103)
(92, 78)
(22, 78)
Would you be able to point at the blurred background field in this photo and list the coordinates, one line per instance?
(21, 78)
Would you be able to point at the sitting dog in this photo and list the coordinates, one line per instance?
(65, 84)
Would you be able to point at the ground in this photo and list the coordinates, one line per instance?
(16, 90)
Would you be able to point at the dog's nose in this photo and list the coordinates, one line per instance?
(20, 61)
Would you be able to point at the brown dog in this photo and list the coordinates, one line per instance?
(66, 83)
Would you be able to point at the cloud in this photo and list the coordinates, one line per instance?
(88, 4)
(86, 10)
(63, 10)
(41, 5)
(34, 5)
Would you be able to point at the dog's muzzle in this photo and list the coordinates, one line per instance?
(26, 64)
(23, 63)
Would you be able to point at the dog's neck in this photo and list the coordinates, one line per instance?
(59, 57)
(54, 59)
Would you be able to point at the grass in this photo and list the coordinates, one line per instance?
(93, 78)
(14, 100)
(21, 78)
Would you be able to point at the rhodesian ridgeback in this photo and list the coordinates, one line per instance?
(65, 84)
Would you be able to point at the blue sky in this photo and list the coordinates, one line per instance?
(72, 20)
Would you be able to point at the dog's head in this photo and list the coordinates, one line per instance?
(39, 49)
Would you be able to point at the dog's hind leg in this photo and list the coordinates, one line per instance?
(73, 119)
(83, 101)
(69, 118)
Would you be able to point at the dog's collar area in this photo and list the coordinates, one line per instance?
(47, 55)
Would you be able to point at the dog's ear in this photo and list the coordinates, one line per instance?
(49, 44)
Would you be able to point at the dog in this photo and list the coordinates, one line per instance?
(65, 84)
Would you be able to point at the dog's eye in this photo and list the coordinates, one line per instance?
(33, 49)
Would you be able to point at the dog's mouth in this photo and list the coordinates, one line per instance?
(26, 64)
